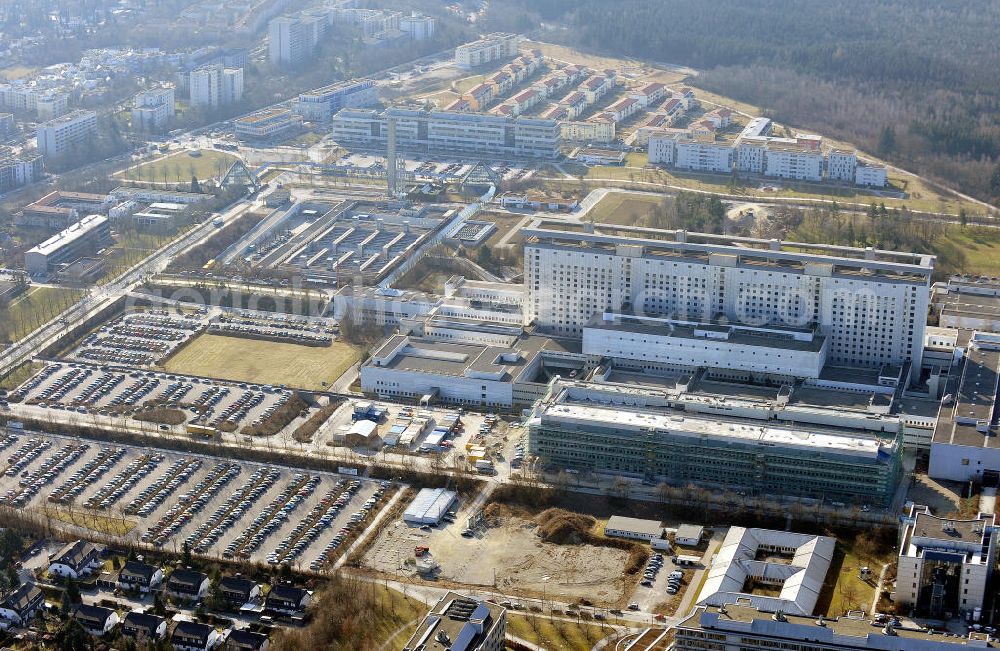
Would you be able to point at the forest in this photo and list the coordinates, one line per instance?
(916, 82)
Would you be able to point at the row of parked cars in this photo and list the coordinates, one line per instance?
(355, 519)
(112, 491)
(191, 503)
(31, 483)
(150, 498)
(235, 507)
(23, 456)
(270, 520)
(86, 475)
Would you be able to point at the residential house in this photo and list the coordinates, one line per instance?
(194, 636)
(19, 606)
(288, 600)
(241, 640)
(76, 559)
(139, 576)
(96, 620)
(237, 590)
(187, 585)
(142, 627)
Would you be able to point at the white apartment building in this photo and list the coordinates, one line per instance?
(153, 110)
(58, 137)
(841, 165)
(417, 26)
(871, 305)
(214, 86)
(596, 130)
(793, 162)
(494, 47)
(944, 563)
(871, 175)
(751, 153)
(662, 146)
(52, 105)
(703, 155)
(291, 39)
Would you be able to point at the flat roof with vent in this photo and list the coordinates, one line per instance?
(459, 623)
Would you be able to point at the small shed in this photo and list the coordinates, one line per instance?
(363, 433)
(689, 535)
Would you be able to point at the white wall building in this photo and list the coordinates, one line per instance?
(494, 47)
(291, 39)
(944, 564)
(62, 135)
(214, 86)
(841, 165)
(703, 156)
(793, 162)
(418, 26)
(153, 110)
(871, 305)
(871, 175)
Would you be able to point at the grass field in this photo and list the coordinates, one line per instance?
(981, 247)
(105, 524)
(178, 167)
(264, 362)
(844, 589)
(17, 72)
(20, 375)
(33, 308)
(555, 633)
(623, 208)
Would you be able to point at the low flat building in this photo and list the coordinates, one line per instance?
(459, 622)
(59, 209)
(269, 124)
(689, 535)
(741, 626)
(969, 303)
(592, 156)
(429, 506)
(633, 528)
(89, 235)
(944, 563)
(773, 571)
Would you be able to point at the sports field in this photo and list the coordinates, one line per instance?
(264, 362)
(626, 209)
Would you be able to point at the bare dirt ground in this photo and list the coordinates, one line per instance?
(523, 563)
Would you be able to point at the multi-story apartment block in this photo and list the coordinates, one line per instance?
(841, 165)
(214, 86)
(153, 110)
(291, 39)
(20, 169)
(944, 563)
(417, 26)
(51, 105)
(871, 305)
(473, 133)
(793, 161)
(703, 154)
(7, 125)
(494, 47)
(84, 238)
(322, 104)
(597, 129)
(61, 136)
(871, 175)
(460, 622)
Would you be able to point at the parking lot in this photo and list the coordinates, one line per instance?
(138, 338)
(215, 506)
(105, 391)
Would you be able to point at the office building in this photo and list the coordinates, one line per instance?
(460, 622)
(772, 571)
(965, 445)
(292, 39)
(91, 234)
(944, 564)
(66, 134)
(871, 305)
(322, 104)
(633, 432)
(494, 47)
(739, 627)
(269, 124)
(59, 209)
(475, 134)
(153, 110)
(596, 130)
(20, 169)
(214, 86)
(418, 26)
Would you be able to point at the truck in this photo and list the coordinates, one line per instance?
(204, 431)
